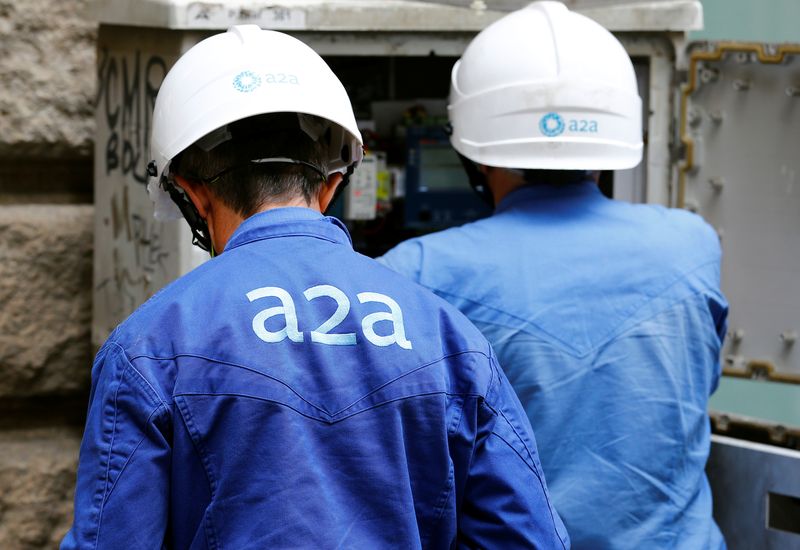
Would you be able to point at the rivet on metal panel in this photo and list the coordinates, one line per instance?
(717, 183)
(698, 152)
(760, 371)
(735, 361)
(695, 118)
(789, 337)
(709, 75)
(789, 174)
(741, 85)
(793, 91)
(777, 433)
(716, 116)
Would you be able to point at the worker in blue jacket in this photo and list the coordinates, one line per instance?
(291, 393)
(607, 317)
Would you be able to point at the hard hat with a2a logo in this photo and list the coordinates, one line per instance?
(242, 73)
(546, 88)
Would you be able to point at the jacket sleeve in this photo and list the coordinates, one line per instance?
(506, 503)
(122, 492)
(718, 309)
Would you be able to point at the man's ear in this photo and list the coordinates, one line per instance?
(198, 194)
(328, 190)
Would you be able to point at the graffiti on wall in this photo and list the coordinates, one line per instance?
(133, 254)
(126, 96)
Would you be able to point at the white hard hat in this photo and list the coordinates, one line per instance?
(242, 73)
(546, 88)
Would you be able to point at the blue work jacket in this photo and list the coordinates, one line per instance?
(291, 393)
(608, 319)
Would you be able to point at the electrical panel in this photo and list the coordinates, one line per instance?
(740, 128)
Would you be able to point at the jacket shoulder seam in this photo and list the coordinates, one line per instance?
(143, 382)
(104, 490)
(535, 472)
(199, 448)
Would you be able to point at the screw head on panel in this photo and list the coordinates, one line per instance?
(717, 183)
(777, 433)
(741, 85)
(709, 75)
(694, 117)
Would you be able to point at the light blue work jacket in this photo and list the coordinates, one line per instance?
(291, 393)
(608, 319)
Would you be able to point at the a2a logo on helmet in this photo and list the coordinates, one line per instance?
(248, 81)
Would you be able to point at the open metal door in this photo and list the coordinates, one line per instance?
(739, 132)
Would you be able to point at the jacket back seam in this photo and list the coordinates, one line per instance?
(620, 329)
(332, 421)
(565, 345)
(295, 392)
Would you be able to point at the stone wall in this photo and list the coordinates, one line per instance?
(47, 67)
(37, 477)
(45, 289)
(47, 82)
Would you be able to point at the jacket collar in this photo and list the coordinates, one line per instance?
(286, 222)
(530, 193)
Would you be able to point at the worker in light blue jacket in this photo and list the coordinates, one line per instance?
(607, 317)
(291, 393)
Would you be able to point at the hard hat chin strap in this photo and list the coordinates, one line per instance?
(201, 237)
(342, 185)
(200, 234)
(477, 180)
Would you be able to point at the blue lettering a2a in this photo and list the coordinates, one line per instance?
(582, 126)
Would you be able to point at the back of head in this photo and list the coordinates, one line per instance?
(546, 88)
(248, 101)
(260, 160)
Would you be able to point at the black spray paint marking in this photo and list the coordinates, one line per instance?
(126, 96)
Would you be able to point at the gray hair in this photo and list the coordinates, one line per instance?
(246, 187)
